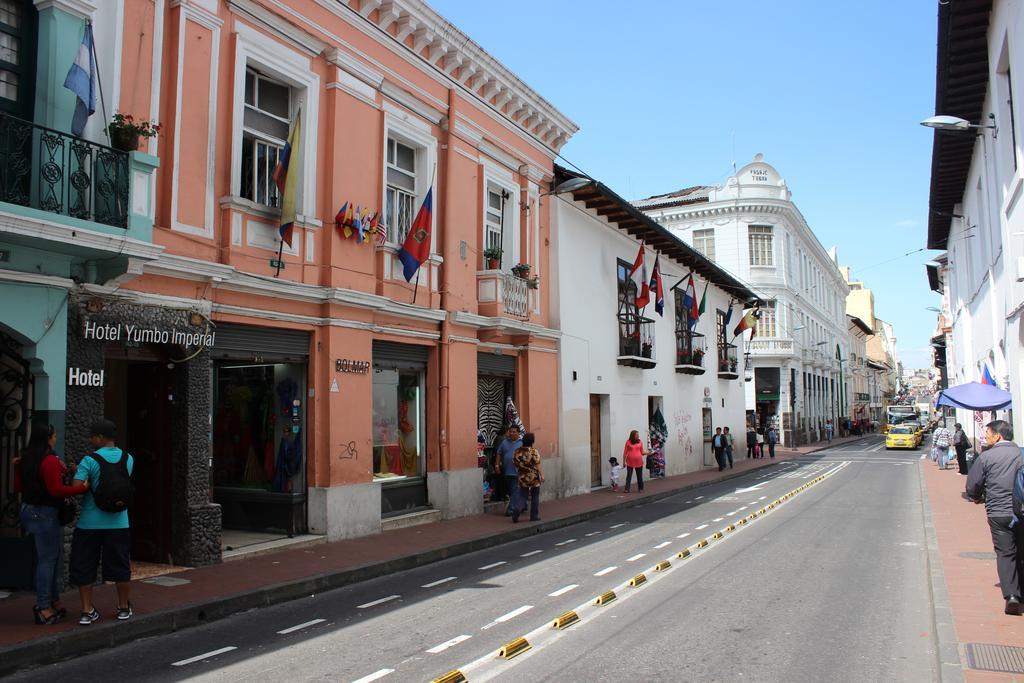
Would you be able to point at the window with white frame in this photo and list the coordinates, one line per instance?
(265, 124)
(704, 242)
(760, 239)
(400, 194)
(494, 218)
(766, 323)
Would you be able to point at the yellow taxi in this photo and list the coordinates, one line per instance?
(919, 433)
(902, 436)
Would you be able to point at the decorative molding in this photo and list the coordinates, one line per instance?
(508, 325)
(82, 9)
(412, 103)
(36, 229)
(204, 16)
(273, 22)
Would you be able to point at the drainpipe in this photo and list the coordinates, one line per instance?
(444, 347)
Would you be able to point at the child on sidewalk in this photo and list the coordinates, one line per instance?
(615, 473)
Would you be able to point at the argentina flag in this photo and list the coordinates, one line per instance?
(81, 80)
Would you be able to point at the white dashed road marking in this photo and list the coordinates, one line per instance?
(205, 655)
(636, 557)
(491, 565)
(374, 676)
(702, 526)
(662, 545)
(567, 542)
(531, 553)
(592, 533)
(505, 617)
(606, 570)
(616, 526)
(378, 602)
(299, 627)
(718, 519)
(438, 582)
(683, 535)
(563, 591)
(447, 644)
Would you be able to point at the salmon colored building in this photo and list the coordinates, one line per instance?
(323, 394)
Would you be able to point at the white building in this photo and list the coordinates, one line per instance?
(751, 228)
(976, 212)
(619, 366)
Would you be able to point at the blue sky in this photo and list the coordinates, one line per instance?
(669, 93)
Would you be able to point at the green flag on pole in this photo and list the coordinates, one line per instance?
(704, 299)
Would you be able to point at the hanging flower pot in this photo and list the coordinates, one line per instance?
(125, 132)
(124, 140)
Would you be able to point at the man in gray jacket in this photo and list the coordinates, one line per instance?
(992, 478)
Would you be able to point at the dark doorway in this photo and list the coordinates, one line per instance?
(139, 397)
(595, 440)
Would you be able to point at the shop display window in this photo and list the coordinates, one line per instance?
(397, 424)
(258, 440)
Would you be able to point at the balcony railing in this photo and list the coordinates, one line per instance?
(46, 169)
(690, 350)
(636, 341)
(515, 296)
(771, 347)
(728, 365)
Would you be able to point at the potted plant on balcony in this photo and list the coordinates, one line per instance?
(493, 257)
(698, 356)
(125, 131)
(521, 270)
(646, 349)
(533, 282)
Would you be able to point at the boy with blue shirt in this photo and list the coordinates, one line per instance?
(101, 534)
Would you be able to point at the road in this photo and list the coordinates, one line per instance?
(832, 584)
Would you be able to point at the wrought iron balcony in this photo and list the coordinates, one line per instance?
(502, 294)
(46, 169)
(690, 351)
(728, 365)
(636, 341)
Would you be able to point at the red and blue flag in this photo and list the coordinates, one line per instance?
(416, 248)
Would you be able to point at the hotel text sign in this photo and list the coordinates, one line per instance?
(137, 334)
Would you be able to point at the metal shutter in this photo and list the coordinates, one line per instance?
(247, 340)
(502, 365)
(400, 356)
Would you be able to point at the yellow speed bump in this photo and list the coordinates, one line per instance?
(761, 511)
(731, 527)
(752, 516)
(702, 543)
(566, 620)
(717, 535)
(605, 598)
(741, 521)
(662, 566)
(638, 580)
(683, 554)
(513, 648)
(453, 676)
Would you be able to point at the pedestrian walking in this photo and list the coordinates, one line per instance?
(771, 438)
(728, 446)
(992, 478)
(941, 441)
(718, 446)
(760, 444)
(39, 476)
(531, 476)
(751, 442)
(829, 429)
(960, 444)
(103, 531)
(633, 456)
(507, 468)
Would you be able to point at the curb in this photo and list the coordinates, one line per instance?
(947, 655)
(70, 644)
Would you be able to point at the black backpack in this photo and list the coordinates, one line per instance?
(115, 490)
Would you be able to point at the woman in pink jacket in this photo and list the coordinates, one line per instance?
(633, 458)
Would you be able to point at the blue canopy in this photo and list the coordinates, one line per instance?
(975, 396)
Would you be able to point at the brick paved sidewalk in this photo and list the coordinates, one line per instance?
(220, 590)
(968, 562)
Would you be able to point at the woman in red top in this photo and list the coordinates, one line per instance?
(40, 478)
(633, 459)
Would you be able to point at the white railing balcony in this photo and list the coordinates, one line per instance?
(502, 294)
(770, 347)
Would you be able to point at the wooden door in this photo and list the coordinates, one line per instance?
(595, 440)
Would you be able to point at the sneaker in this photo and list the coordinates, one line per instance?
(1013, 606)
(88, 617)
(124, 613)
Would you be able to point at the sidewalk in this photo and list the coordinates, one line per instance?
(969, 566)
(221, 590)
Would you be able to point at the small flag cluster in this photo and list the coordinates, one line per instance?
(363, 224)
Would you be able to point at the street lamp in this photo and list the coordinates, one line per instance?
(932, 308)
(570, 185)
(955, 123)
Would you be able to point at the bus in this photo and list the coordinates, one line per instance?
(898, 414)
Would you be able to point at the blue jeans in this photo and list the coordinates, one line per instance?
(41, 522)
(512, 484)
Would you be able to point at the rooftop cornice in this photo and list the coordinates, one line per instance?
(456, 58)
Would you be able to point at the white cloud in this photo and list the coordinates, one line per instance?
(906, 223)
